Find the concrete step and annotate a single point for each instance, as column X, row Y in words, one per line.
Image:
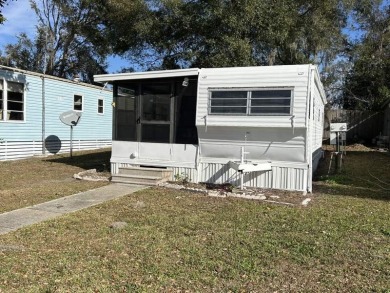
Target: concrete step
column 137, row 179
column 142, row 171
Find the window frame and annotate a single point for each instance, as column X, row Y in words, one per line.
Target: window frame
column 249, row 99
column 5, row 112
column 100, row 107
column 82, row 102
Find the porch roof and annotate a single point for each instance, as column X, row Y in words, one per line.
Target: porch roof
column 146, row 75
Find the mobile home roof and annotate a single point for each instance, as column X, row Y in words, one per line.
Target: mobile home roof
column 146, row 75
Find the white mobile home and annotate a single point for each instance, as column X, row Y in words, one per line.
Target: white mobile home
column 259, row 125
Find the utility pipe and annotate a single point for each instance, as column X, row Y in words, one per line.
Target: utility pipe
column 43, row 115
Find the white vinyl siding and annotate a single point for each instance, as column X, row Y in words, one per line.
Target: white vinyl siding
column 318, row 119
column 292, row 77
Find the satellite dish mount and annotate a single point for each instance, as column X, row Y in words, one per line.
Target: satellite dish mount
column 70, row 118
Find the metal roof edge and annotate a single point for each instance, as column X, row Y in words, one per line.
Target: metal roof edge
column 27, row 72
column 146, row 75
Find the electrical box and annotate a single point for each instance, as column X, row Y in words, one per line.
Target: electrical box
column 338, row 129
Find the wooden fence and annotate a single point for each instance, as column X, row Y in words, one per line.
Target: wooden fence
column 363, row 126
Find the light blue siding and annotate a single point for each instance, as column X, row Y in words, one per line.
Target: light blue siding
column 92, row 125
column 59, row 97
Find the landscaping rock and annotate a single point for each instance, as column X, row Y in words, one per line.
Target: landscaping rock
column 118, row 225
column 215, row 193
column 139, row 205
column 11, row 247
column 89, row 175
column 248, row 196
column 306, row 201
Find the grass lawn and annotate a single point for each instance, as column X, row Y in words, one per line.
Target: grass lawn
column 32, row 181
column 180, row 241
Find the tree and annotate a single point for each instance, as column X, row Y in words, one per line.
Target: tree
column 62, row 45
column 367, row 85
column 2, row 3
column 183, row 33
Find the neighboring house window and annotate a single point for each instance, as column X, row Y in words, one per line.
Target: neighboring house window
column 11, row 101
column 78, row 103
column 100, row 106
column 251, row 102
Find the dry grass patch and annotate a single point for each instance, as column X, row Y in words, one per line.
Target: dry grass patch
column 31, row 181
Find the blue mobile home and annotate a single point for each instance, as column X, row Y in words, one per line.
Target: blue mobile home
column 30, row 106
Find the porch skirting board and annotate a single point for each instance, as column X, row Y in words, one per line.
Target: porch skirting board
column 286, row 178
column 15, row 150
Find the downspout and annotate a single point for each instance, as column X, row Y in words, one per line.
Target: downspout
column 43, row 115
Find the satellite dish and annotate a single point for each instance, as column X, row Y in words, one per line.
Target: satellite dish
column 70, row 118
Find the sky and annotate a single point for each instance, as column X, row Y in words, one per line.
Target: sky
column 21, row 18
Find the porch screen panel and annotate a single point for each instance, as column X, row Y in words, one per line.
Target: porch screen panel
column 156, row 102
column 125, row 121
column 185, row 129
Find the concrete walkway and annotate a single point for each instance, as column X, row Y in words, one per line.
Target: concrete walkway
column 11, row 221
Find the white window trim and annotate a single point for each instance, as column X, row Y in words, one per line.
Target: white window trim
column 82, row 102
column 102, row 99
column 5, row 103
column 249, row 94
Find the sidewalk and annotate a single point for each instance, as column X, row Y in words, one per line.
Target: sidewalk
column 11, row 221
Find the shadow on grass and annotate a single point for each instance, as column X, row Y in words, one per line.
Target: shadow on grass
column 99, row 160
column 353, row 191
column 364, row 175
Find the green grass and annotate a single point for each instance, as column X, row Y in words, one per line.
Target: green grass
column 182, row 241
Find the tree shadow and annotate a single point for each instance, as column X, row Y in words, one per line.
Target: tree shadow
column 364, row 174
column 99, row 160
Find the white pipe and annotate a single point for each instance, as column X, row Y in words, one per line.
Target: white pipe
column 241, row 172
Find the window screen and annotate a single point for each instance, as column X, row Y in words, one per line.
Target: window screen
column 251, row 102
column 100, row 106
column 78, row 103
column 15, row 101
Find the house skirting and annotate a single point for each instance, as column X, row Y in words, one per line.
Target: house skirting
column 14, row 150
column 287, row 177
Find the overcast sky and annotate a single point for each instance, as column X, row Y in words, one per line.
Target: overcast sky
column 21, row 18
